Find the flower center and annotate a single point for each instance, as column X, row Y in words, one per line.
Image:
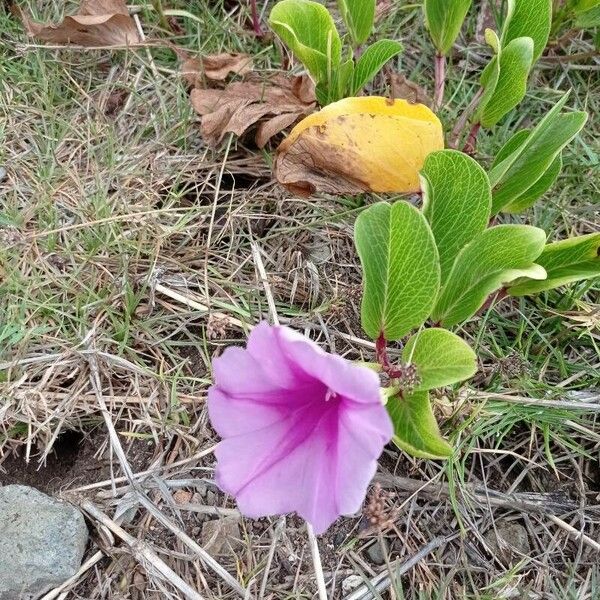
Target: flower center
column 330, row 395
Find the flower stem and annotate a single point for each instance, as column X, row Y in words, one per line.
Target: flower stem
column 440, row 81
column 255, row 19
column 314, row 550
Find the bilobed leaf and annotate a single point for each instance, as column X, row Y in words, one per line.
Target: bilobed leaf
column 537, row 190
column 530, row 156
column 359, row 16
column 515, row 62
column 441, row 358
column 456, row 201
column 528, row 18
column 401, row 268
column 308, row 29
column 495, row 257
column 372, row 61
column 575, row 259
column 415, row 429
column 444, row 20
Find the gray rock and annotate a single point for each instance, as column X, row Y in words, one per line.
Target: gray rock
column 511, row 540
column 221, row 536
column 378, row 551
column 42, row 541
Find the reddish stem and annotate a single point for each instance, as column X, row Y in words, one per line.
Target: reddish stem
column 381, row 352
column 471, row 142
column 440, row 81
column 255, row 19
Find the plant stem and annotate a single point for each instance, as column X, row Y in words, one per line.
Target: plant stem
column 462, row 121
column 255, row 19
column 471, row 142
column 314, row 550
column 440, row 81
column 158, row 7
column 381, row 352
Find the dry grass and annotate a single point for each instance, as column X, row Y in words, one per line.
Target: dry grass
column 127, row 262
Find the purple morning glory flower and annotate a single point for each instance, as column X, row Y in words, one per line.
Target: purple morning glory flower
column 302, row 429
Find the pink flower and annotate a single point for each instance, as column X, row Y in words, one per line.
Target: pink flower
column 302, row 429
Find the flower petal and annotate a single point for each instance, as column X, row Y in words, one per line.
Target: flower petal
column 362, row 436
column 277, row 475
column 316, row 465
column 351, row 381
column 265, row 344
column 232, row 416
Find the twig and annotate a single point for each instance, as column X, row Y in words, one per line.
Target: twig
column 525, row 502
column 440, row 81
column 141, row 551
column 278, row 529
column 381, row 582
column 575, row 533
column 260, row 267
column 568, row 405
column 191, row 544
column 314, row 550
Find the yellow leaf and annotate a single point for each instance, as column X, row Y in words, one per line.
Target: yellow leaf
column 356, row 145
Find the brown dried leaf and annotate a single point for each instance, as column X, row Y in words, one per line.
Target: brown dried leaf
column 401, row 87
column 216, row 67
column 356, row 145
column 239, row 106
column 98, row 23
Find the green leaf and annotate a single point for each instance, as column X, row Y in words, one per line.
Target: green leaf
column 491, row 74
column 341, row 81
column 441, row 358
column 371, row 62
column 537, row 190
column 456, row 201
column 359, row 16
column 308, row 29
column 539, row 187
column 495, row 257
column 528, row 18
column 401, row 268
column 444, row 20
column 527, row 156
column 415, row 429
column 566, row 261
column 589, row 18
column 514, row 62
